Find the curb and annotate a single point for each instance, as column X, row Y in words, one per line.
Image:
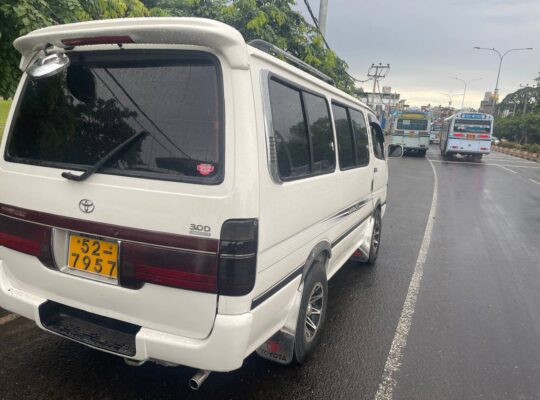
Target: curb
column 518, row 153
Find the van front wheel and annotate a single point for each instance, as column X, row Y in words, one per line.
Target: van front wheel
column 312, row 313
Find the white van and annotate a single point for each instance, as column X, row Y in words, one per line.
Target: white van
column 171, row 193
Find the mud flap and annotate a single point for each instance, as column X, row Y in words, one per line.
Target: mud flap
column 280, row 347
column 365, row 246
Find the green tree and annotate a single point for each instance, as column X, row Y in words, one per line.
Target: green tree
column 18, row 17
column 272, row 20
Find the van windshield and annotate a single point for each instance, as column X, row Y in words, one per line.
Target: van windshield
column 73, row 119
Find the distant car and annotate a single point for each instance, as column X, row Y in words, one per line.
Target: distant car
column 495, row 140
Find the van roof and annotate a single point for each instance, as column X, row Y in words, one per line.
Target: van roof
column 162, row 30
column 157, row 30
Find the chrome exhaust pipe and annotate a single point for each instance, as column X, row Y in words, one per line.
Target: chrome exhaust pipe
column 134, row 363
column 198, row 379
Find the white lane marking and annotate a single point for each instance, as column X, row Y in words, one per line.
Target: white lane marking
column 393, row 362
column 508, row 169
column 532, row 180
column 483, row 163
column 8, row 318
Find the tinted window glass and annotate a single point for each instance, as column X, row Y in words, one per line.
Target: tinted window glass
column 290, row 131
column 412, row 124
column 322, row 140
column 468, row 126
column 361, row 137
column 77, row 117
column 378, row 146
column 344, row 137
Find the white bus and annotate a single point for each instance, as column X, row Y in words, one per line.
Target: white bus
column 412, row 131
column 467, row 134
column 435, row 132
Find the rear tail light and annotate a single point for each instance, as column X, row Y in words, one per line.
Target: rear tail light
column 28, row 238
column 238, row 257
column 86, row 41
column 484, row 136
column 458, row 134
column 169, row 267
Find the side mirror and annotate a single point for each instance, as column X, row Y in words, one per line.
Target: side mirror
column 48, row 66
column 395, row 150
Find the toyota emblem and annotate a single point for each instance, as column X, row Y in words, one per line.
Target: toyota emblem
column 86, row 206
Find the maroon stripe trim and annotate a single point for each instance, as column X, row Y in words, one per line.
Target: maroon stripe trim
column 113, row 231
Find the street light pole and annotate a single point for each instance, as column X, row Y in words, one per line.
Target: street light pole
column 501, row 57
column 450, row 97
column 465, row 83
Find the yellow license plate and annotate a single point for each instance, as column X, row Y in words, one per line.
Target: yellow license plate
column 471, row 137
column 412, row 134
column 94, row 256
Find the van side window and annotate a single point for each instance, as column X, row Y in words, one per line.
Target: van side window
column 290, row 131
column 360, row 137
column 320, row 132
column 344, row 137
column 304, row 141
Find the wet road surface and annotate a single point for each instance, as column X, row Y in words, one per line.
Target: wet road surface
column 475, row 330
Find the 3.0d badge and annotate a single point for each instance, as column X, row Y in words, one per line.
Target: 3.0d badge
column 86, row 206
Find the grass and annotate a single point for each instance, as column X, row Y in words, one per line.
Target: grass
column 4, row 109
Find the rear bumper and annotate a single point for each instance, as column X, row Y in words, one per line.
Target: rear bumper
column 223, row 350
column 467, row 152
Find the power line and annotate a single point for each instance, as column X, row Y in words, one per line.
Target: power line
column 316, row 23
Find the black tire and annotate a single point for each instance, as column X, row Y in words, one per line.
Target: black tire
column 477, row 157
column 307, row 338
column 375, row 238
column 422, row 153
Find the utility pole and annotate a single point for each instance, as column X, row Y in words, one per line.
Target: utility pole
column 377, row 72
column 323, row 10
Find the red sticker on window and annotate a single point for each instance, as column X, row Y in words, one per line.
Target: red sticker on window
column 205, row 169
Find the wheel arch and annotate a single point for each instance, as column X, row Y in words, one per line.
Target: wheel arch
column 322, row 249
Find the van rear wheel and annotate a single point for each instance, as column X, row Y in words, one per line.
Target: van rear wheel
column 312, row 313
column 375, row 238
column 477, row 157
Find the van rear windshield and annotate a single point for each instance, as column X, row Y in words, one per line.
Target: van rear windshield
column 73, row 119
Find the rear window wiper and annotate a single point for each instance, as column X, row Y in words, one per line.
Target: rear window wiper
column 104, row 159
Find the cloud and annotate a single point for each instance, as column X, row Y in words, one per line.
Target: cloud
column 426, row 42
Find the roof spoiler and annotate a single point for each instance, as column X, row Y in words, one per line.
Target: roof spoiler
column 172, row 31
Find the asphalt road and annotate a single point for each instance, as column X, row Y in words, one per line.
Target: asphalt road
column 475, row 329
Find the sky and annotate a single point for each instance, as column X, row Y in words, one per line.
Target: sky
column 427, row 43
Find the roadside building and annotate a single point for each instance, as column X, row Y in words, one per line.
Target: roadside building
column 383, row 102
column 486, row 105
